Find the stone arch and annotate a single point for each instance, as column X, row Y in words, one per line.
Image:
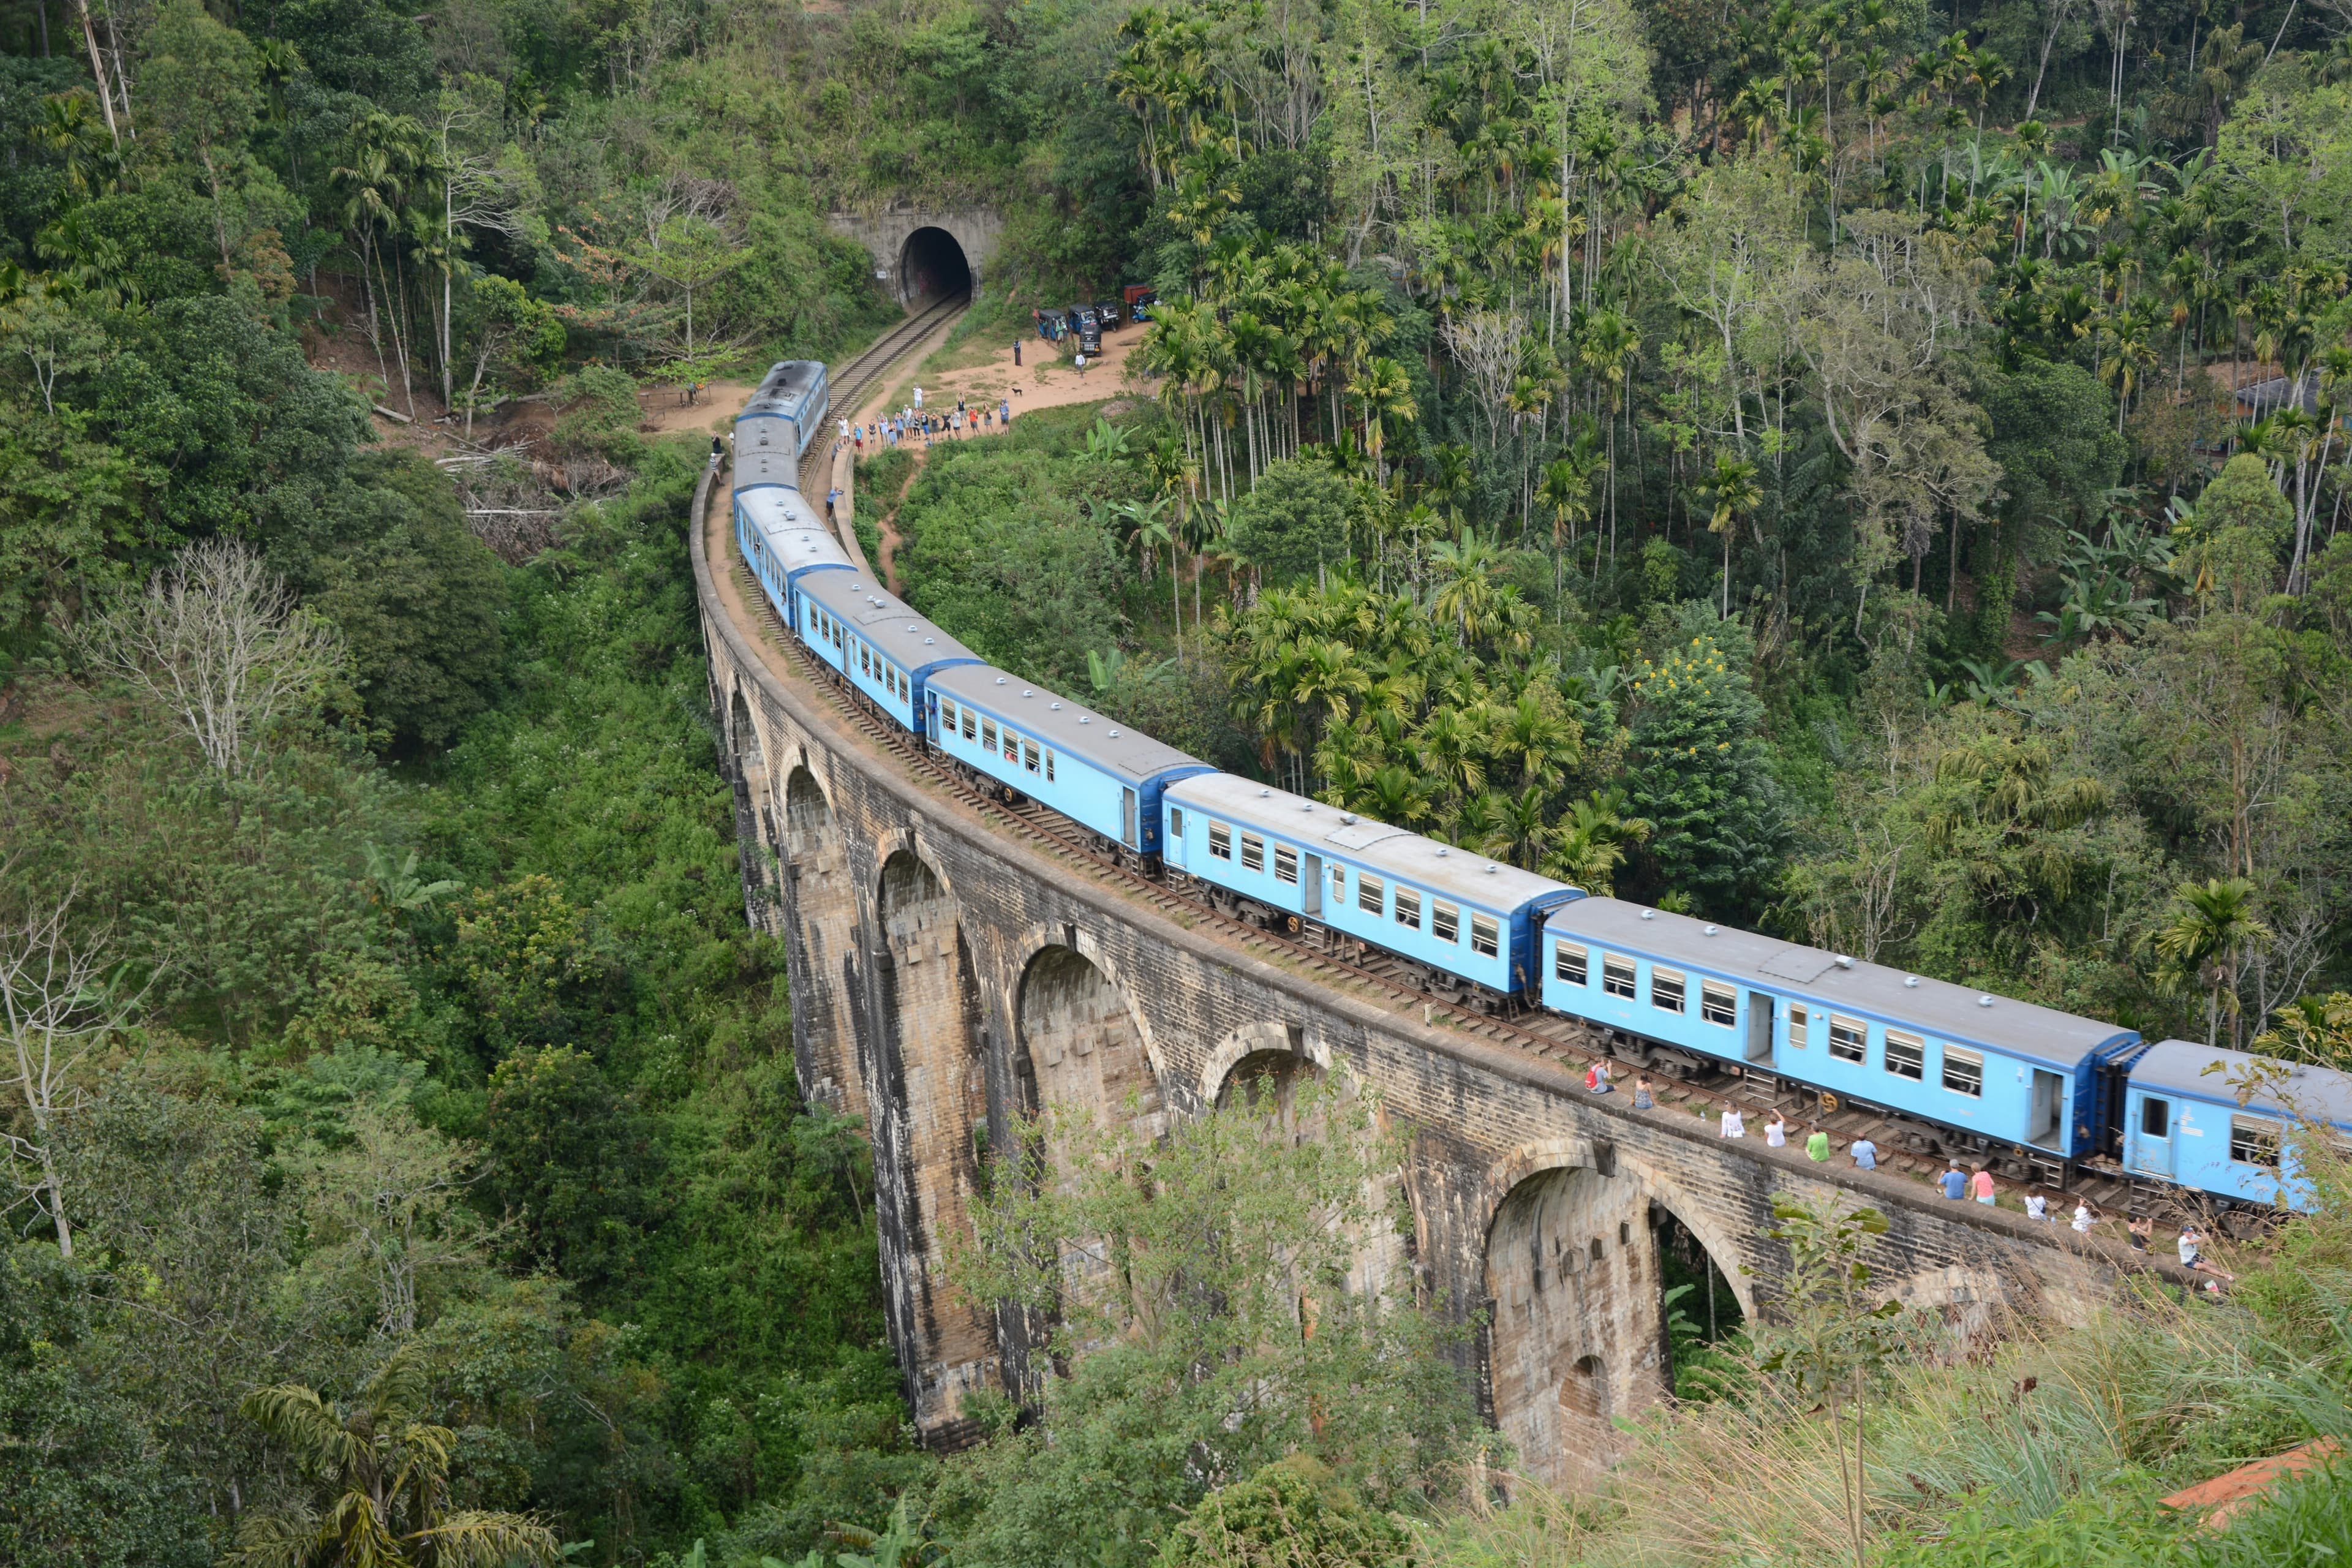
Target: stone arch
column 1281, row 1051
column 933, row 1063
column 1080, row 1041
column 820, row 941
column 754, row 803
column 1573, row 1338
column 932, row 265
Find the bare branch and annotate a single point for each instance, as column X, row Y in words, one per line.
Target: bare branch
column 221, row 643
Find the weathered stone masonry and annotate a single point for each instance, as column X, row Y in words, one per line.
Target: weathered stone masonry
column 947, row 978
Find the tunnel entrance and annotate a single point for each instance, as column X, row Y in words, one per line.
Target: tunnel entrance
column 931, row 266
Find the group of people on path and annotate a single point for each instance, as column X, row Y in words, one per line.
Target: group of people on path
column 1956, row 1185
column 935, row 425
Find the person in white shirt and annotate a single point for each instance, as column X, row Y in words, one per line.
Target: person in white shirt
column 1735, row 1125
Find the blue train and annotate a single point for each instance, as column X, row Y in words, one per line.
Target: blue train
column 1968, row 1073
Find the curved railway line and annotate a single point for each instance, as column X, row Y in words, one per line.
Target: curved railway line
column 1383, row 981
column 857, row 378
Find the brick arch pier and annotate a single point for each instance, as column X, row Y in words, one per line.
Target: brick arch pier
column 947, row 974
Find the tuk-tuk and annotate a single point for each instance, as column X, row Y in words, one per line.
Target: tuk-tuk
column 1051, row 325
column 1141, row 298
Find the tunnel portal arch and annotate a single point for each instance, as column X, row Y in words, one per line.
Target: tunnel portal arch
column 932, row 265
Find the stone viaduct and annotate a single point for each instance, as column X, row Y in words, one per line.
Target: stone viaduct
column 924, row 255
column 949, row 977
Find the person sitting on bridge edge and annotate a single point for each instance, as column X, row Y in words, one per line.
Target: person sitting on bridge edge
column 1865, row 1152
column 1817, row 1144
column 1955, row 1184
column 1776, row 1132
column 1980, row 1186
column 1735, row 1124
column 1642, row 1099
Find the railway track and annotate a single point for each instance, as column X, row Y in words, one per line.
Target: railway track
column 1543, row 1036
column 857, row 378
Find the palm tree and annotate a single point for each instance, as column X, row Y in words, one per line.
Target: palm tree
column 2213, row 925
column 379, row 1470
column 1387, row 396
column 1589, row 843
column 1730, row 492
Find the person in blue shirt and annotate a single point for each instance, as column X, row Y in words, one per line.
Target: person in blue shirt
column 1865, row 1154
column 1955, row 1184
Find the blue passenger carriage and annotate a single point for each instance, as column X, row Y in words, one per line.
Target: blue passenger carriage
column 881, row 648
column 781, row 541
column 1468, row 924
column 1104, row 776
column 781, row 417
column 1994, row 1073
column 2185, row 1124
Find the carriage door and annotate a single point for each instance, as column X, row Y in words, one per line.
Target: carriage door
column 1760, row 1028
column 1127, row 818
column 2152, row 1149
column 2049, row 1094
column 1310, row 886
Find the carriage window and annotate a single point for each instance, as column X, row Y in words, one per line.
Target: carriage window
column 1221, row 841
column 2156, row 1118
column 1906, row 1055
column 1617, row 976
column 1029, row 756
column 2254, row 1141
column 1408, row 907
column 1719, row 1004
column 1849, row 1039
column 1800, row 1026
column 987, row 734
column 1963, row 1073
column 1568, row 962
column 1286, row 863
column 1370, row 892
column 1253, row 852
column 967, row 724
column 1666, row 989
column 1446, row 922
column 1486, row 936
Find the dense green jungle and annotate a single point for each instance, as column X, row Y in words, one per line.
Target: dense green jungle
column 1862, row 469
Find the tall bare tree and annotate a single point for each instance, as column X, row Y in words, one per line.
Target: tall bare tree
column 61, row 1000
column 219, row 640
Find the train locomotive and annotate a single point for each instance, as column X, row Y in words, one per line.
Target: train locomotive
column 1964, row 1072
